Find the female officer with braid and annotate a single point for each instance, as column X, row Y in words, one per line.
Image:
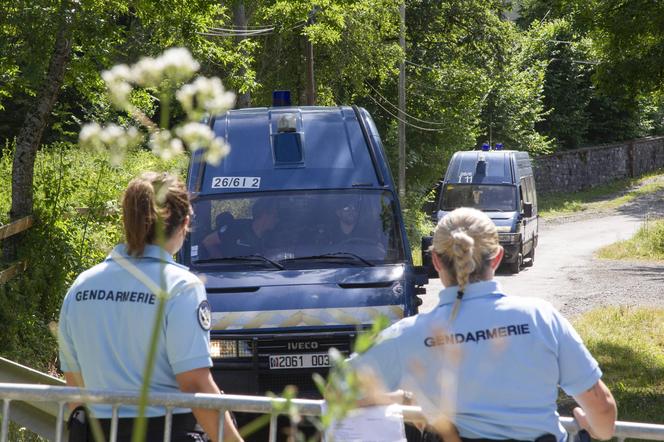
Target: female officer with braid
column 489, row 362
column 108, row 316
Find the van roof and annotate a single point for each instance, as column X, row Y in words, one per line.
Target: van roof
column 334, row 150
column 500, row 167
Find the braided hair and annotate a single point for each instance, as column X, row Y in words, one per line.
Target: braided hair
column 466, row 241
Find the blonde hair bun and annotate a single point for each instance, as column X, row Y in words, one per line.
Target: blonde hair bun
column 466, row 240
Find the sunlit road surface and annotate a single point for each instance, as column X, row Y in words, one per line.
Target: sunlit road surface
column 562, row 250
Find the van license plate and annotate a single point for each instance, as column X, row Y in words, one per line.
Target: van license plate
column 305, row 360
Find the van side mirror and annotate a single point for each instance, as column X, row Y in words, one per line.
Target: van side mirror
column 427, row 263
column 527, row 209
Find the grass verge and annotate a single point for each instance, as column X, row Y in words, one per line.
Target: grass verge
column 628, row 343
column 608, row 196
column 646, row 244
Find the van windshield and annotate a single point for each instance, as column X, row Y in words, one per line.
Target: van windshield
column 483, row 197
column 295, row 230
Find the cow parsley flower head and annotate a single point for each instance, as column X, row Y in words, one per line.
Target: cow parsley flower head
column 118, row 82
column 199, row 136
column 205, row 96
column 164, row 145
column 112, row 138
column 175, row 64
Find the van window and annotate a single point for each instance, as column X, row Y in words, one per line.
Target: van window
column 487, row 198
column 295, row 228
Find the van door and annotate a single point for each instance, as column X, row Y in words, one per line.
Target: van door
column 529, row 223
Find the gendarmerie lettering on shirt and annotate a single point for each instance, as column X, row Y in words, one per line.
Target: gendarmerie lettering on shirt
column 477, row 335
column 116, row 296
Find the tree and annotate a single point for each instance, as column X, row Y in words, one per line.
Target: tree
column 49, row 45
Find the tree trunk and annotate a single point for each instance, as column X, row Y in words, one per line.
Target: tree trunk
column 30, row 135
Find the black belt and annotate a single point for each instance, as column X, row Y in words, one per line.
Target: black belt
column 183, row 429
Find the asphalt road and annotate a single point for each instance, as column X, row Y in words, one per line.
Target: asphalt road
column 564, row 259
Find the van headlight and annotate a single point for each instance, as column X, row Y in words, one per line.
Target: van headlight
column 509, row 238
column 230, row 348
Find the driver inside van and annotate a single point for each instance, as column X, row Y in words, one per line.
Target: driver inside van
column 234, row 237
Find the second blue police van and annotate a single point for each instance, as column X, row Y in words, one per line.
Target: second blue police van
column 500, row 183
column 299, row 238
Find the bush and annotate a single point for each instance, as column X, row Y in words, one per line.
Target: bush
column 78, row 221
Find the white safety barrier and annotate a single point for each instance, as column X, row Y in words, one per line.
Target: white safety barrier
column 33, row 393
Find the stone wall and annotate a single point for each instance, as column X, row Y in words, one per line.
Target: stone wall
column 580, row 169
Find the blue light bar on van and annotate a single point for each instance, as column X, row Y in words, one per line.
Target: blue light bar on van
column 486, row 147
column 499, row 146
column 281, row 98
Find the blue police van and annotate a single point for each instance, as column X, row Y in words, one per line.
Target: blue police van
column 299, row 238
column 500, row 183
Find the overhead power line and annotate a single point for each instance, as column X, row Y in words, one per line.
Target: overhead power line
column 434, row 123
column 403, row 121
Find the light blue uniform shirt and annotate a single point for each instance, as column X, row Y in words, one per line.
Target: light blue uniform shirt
column 494, row 371
column 107, row 318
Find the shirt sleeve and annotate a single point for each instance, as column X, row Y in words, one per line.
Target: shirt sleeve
column 578, row 369
column 187, row 338
column 67, row 351
column 382, row 361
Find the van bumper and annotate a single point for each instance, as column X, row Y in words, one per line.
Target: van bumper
column 252, row 374
column 511, row 243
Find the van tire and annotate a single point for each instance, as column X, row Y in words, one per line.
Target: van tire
column 530, row 258
column 515, row 266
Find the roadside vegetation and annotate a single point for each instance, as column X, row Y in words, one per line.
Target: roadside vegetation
column 647, row 244
column 628, row 343
column 77, row 201
column 605, row 197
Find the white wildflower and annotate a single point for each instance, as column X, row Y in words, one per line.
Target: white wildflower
column 178, row 64
column 89, row 137
column 175, row 64
column 216, row 150
column 118, row 81
column 116, row 139
column 205, row 95
column 164, row 145
column 147, row 72
column 195, row 135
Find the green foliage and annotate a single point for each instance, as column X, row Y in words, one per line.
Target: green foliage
column 602, row 82
column 608, row 196
column 77, row 197
column 646, row 244
column 628, row 343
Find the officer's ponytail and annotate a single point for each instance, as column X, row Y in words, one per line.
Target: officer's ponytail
column 153, row 203
column 465, row 240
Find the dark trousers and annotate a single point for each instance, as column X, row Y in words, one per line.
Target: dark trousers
column 184, row 428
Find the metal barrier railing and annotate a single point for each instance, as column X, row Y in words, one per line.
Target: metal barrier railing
column 228, row 402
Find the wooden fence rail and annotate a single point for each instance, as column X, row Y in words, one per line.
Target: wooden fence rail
column 11, row 229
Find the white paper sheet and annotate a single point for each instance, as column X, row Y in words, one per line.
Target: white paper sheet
column 369, row 424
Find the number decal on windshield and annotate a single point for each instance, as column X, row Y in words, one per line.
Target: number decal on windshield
column 236, row 182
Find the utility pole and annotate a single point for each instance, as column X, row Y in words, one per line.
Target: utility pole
column 402, row 103
column 240, row 22
column 309, row 54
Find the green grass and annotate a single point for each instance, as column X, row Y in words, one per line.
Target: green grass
column 607, row 196
column 646, row 244
column 628, row 343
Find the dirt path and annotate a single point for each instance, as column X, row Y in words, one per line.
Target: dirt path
column 567, row 274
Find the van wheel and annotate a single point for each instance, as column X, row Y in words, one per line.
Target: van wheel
column 515, row 266
column 530, row 258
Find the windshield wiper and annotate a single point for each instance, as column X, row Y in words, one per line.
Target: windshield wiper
column 335, row 255
column 245, row 258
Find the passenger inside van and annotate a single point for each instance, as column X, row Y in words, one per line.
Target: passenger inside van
column 241, row 237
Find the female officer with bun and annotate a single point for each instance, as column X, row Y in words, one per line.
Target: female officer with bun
column 108, row 315
column 489, row 362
